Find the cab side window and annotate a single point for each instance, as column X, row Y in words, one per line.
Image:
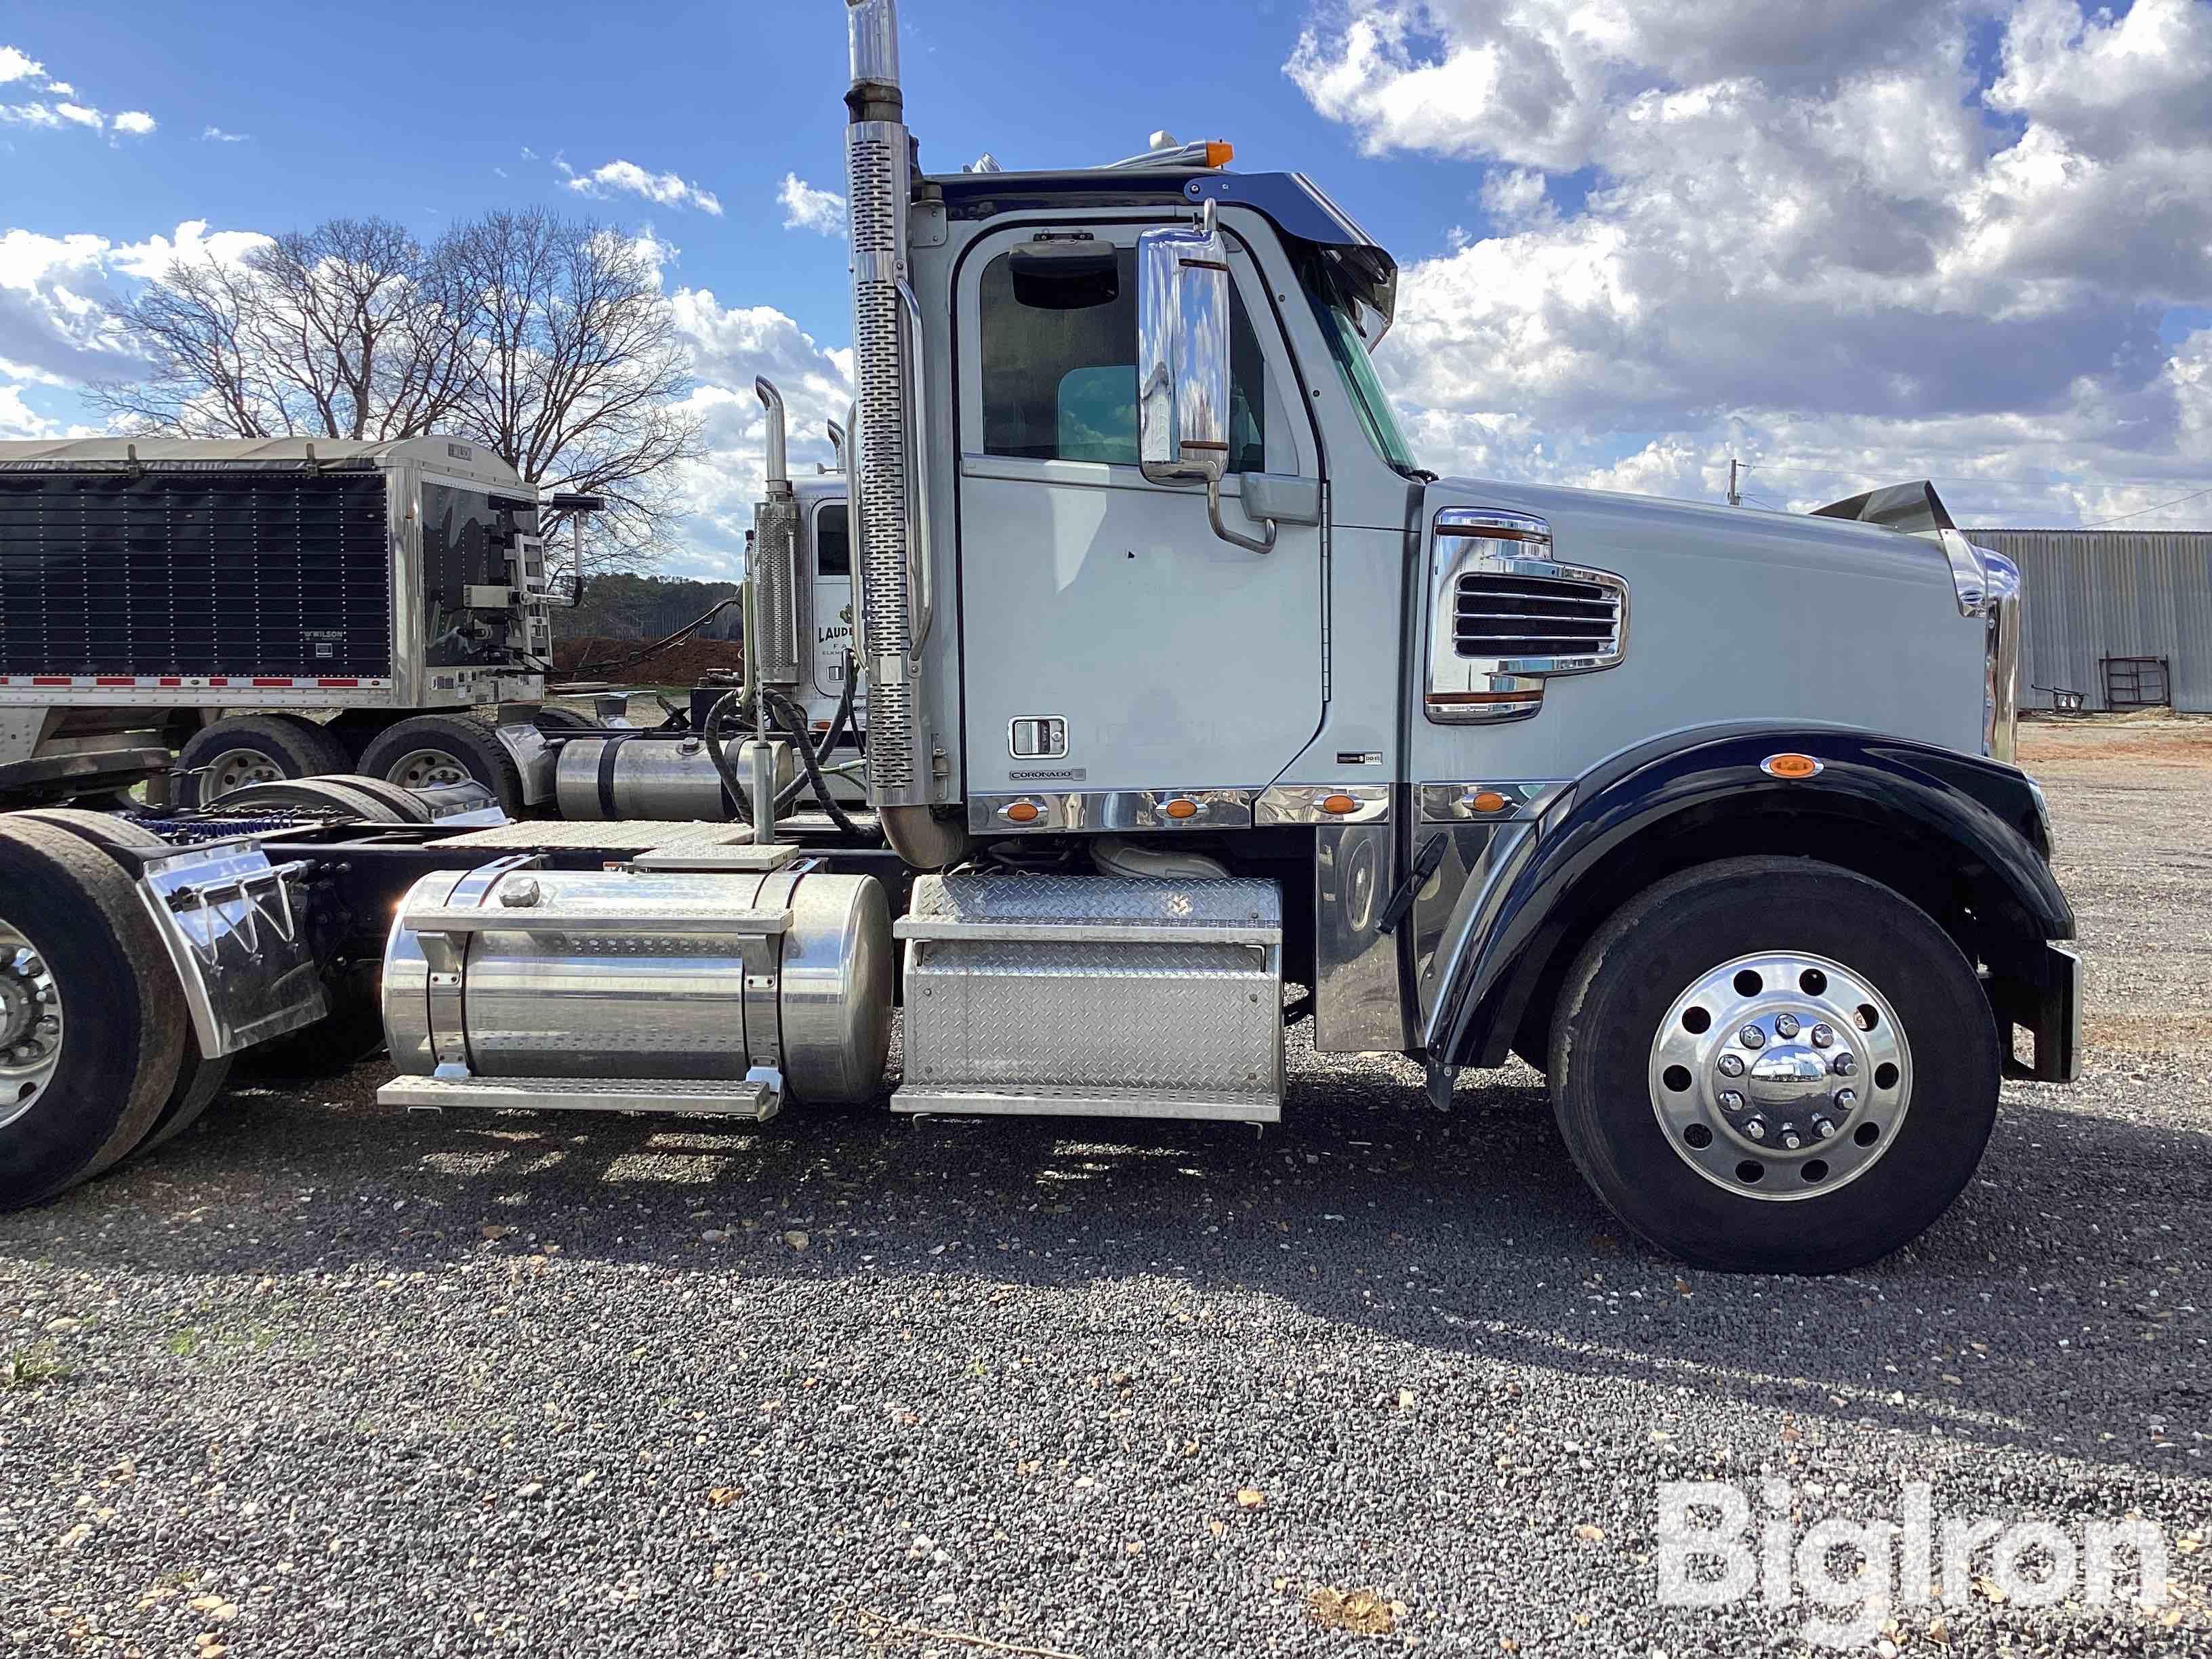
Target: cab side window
column 1059, row 355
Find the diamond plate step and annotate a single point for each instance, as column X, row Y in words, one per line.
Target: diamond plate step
column 1090, row 1102
column 754, row 1099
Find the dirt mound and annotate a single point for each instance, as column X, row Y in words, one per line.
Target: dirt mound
column 597, row 658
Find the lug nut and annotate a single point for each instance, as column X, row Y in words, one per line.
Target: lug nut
column 1823, row 1036
column 1846, row 1099
column 1731, row 1065
column 1845, row 1064
column 31, row 967
column 23, row 1051
column 1822, row 1129
column 1785, row 1025
column 48, row 1026
column 1752, row 1037
column 1791, row 1140
column 1731, row 1101
column 1756, row 1129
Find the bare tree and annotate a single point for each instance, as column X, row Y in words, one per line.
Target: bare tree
column 352, row 329
column 579, row 372
column 546, row 339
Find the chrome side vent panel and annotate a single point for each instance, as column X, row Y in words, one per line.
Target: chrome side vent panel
column 1504, row 613
column 1504, row 617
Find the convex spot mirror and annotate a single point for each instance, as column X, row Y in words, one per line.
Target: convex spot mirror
column 1183, row 363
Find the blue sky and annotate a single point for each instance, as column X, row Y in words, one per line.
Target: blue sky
column 1875, row 239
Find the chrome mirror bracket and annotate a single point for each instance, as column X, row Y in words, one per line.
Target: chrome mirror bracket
column 1250, row 544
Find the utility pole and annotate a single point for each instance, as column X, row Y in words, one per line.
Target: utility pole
column 1736, row 494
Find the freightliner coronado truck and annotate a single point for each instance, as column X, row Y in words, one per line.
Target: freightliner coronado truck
column 1188, row 685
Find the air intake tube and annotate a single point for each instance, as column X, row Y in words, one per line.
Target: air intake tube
column 884, row 464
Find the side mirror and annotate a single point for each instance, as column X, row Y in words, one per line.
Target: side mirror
column 1182, row 364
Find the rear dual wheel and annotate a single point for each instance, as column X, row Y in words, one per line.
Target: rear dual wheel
column 93, row 1021
column 248, row 748
column 1775, row 1065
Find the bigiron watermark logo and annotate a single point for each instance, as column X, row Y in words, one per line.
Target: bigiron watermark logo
column 1718, row 1547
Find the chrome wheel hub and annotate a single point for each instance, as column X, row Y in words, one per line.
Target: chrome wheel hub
column 30, row 1026
column 1781, row 1075
column 428, row 768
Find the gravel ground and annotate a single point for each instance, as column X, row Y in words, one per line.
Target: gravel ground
column 324, row 1378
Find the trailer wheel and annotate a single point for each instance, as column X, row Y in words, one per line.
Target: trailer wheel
column 554, row 720
column 93, row 1018
column 199, row 1079
column 1772, row 1065
column 248, row 748
column 433, row 750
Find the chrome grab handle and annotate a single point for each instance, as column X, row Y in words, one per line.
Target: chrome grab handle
column 921, row 610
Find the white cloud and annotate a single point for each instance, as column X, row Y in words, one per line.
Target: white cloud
column 30, row 115
column 134, row 123
column 18, row 66
column 665, row 189
column 1809, row 233
column 806, row 208
column 61, row 89
column 81, row 116
column 67, row 110
column 214, row 135
column 729, row 346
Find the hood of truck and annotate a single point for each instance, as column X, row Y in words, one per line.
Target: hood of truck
column 1732, row 614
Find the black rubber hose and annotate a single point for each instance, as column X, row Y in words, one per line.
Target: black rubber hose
column 791, row 719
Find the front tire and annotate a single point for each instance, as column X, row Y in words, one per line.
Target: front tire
column 1773, row 1065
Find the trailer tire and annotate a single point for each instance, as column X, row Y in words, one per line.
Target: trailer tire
column 1774, row 1064
column 122, row 1021
column 246, row 749
column 552, row 721
column 199, row 1079
column 431, row 749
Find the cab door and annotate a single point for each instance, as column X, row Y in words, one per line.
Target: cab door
column 1111, row 641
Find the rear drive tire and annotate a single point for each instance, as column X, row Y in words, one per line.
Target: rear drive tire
column 199, row 1079
column 73, row 932
column 360, row 797
column 433, row 748
column 1741, row 1006
column 350, row 1033
column 248, row 748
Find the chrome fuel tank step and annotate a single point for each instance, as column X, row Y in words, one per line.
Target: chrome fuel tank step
column 1093, row 996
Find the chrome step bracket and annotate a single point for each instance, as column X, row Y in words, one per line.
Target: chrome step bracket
column 756, row 1099
column 1090, row 1102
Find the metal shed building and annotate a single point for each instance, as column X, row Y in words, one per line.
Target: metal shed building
column 2106, row 608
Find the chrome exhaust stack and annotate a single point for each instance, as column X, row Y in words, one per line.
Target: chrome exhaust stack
column 885, row 469
column 775, row 557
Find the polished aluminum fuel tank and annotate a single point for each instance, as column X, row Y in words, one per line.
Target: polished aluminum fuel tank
column 604, row 776
column 677, row 976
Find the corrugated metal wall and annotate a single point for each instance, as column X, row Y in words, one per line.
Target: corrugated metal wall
column 2097, row 594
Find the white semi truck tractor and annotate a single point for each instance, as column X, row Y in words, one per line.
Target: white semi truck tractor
column 1196, row 707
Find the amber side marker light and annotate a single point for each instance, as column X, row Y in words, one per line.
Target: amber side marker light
column 1789, row 768
column 1339, row 804
column 1022, row 811
column 1488, row 800
column 1181, row 808
column 1220, row 152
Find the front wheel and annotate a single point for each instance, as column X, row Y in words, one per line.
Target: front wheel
column 1772, row 1065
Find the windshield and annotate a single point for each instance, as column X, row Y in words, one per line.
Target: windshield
column 1357, row 369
